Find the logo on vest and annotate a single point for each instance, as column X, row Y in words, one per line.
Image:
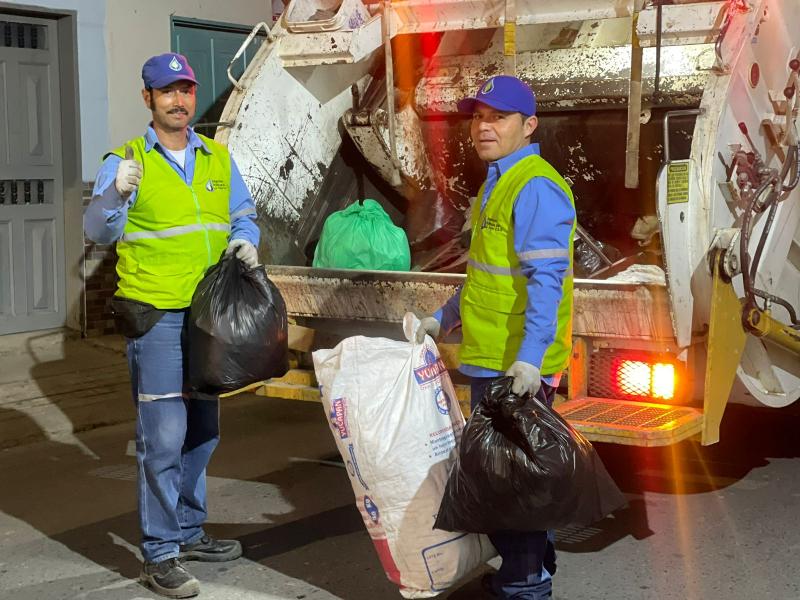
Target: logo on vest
column 175, row 64
column 339, row 417
column 491, row 224
column 217, row 184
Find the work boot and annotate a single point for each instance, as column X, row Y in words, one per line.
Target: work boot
column 207, row 549
column 170, row 578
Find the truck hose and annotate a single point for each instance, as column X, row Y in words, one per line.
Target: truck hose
column 794, row 163
column 744, row 239
column 789, row 308
column 776, row 194
column 762, row 241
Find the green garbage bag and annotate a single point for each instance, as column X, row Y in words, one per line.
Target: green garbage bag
column 362, row 236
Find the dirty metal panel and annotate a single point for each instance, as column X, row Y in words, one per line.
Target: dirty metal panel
column 371, row 145
column 331, row 48
column 602, row 309
column 361, row 295
column 304, row 17
column 697, row 23
column 569, row 77
column 631, row 311
column 288, row 142
column 419, row 16
column 285, row 143
column 558, row 11
column 692, row 23
column 678, row 189
column 372, row 139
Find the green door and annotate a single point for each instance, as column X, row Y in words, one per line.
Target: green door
column 210, row 46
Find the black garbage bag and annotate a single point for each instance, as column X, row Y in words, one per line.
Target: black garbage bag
column 587, row 262
column 521, row 467
column 238, row 330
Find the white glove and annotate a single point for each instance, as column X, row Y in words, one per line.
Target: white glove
column 129, row 174
column 428, row 326
column 245, row 251
column 527, row 378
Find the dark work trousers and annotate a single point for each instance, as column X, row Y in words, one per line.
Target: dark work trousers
column 176, row 433
column 529, row 557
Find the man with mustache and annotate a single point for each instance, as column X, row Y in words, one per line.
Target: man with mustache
column 515, row 308
column 173, row 201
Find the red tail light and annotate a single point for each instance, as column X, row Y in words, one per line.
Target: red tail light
column 637, row 378
column 635, row 375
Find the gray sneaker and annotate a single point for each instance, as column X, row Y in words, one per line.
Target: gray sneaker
column 208, row 549
column 170, row 578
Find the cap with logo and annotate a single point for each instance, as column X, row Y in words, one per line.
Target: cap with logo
column 164, row 69
column 505, row 93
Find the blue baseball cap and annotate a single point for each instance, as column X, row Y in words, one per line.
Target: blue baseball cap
column 159, row 71
column 502, row 92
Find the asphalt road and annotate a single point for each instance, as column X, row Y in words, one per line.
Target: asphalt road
column 702, row 523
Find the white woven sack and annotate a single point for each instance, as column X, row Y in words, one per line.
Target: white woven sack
column 396, row 421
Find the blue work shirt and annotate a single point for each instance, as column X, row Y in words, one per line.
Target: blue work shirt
column 543, row 218
column 105, row 217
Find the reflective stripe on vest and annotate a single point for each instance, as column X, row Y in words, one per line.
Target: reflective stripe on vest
column 174, row 231
column 495, row 296
column 493, row 269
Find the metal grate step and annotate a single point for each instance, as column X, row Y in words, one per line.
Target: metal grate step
column 632, row 423
column 599, row 419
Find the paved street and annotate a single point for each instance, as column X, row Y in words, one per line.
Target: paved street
column 713, row 523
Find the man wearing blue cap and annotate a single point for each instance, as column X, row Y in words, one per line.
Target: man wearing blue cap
column 173, row 201
column 515, row 308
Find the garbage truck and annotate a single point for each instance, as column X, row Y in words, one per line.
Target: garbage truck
column 674, row 121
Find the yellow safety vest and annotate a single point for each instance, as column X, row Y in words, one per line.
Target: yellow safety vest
column 174, row 231
column 495, row 295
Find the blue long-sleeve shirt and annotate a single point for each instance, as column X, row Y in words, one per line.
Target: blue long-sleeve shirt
column 543, row 218
column 105, row 217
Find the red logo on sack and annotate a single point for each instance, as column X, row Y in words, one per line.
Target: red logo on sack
column 431, row 368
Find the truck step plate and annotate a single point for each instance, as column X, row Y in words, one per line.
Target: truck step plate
column 631, row 423
column 300, row 384
column 599, row 419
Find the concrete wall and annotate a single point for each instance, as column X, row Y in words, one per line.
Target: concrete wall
column 114, row 39
column 138, row 30
column 92, row 69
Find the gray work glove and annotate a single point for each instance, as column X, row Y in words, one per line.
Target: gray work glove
column 245, row 251
column 428, row 326
column 527, row 378
column 129, row 174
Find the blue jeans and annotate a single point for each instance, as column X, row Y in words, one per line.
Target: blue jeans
column 529, row 557
column 175, row 437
